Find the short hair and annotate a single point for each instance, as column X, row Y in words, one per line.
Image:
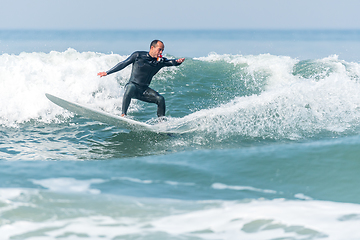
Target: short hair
column 154, row 42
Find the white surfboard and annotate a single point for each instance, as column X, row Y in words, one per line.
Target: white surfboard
column 104, row 117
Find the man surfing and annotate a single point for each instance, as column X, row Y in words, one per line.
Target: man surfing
column 144, row 66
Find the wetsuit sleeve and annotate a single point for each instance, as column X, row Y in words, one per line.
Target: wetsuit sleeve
column 171, row 62
column 123, row 64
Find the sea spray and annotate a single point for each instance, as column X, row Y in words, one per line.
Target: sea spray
column 26, row 78
column 293, row 103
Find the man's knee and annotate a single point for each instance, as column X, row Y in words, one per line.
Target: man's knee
column 130, row 89
column 160, row 100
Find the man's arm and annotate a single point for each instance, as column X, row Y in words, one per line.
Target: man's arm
column 120, row 65
column 174, row 62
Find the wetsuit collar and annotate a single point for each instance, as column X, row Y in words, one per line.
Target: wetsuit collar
column 148, row 54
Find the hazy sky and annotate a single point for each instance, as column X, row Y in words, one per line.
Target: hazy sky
column 180, row 14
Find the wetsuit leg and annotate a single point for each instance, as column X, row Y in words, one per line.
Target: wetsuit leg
column 151, row 96
column 130, row 92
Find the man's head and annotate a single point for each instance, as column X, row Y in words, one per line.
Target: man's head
column 156, row 48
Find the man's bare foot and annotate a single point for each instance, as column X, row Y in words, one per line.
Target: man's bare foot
column 123, row 115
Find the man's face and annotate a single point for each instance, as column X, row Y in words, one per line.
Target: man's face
column 157, row 50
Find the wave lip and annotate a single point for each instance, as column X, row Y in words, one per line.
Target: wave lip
column 298, row 99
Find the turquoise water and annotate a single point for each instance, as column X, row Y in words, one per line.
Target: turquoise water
column 274, row 156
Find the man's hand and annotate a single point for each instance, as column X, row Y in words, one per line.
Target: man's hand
column 180, row 60
column 102, row 74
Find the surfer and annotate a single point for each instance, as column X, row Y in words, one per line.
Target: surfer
column 144, row 66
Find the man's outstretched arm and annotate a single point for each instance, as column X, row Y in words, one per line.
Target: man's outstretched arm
column 173, row 62
column 120, row 65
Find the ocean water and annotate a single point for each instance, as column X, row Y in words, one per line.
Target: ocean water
column 275, row 153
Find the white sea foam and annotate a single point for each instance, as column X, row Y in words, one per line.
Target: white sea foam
column 69, row 185
column 302, row 196
column 179, row 183
column 255, row 219
column 25, row 78
column 10, row 193
column 136, row 180
column 221, row 186
column 267, row 220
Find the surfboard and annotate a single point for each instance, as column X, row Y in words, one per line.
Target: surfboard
column 118, row 121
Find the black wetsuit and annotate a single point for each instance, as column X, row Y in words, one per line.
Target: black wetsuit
column 143, row 69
